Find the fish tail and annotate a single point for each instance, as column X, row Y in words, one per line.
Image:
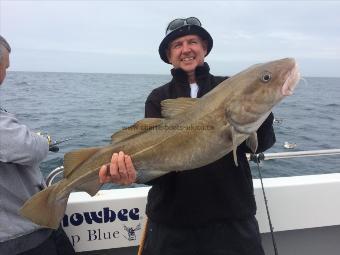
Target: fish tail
column 47, row 207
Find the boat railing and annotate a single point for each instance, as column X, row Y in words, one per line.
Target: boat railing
column 251, row 157
column 53, row 174
column 297, row 154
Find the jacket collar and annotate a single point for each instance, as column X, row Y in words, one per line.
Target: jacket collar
column 180, row 75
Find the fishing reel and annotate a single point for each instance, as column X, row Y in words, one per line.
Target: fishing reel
column 52, row 144
column 257, row 158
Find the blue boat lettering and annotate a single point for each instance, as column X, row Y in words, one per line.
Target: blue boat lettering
column 103, row 216
column 98, row 234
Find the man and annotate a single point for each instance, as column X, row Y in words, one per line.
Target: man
column 21, row 152
column 209, row 210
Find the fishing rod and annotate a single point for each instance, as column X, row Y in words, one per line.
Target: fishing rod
column 257, row 159
column 53, row 146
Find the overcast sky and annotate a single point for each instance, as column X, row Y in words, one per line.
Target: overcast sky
column 123, row 36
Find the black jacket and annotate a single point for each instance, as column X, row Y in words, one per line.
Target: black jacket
column 211, row 193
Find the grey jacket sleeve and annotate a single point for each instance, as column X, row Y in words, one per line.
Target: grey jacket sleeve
column 18, row 144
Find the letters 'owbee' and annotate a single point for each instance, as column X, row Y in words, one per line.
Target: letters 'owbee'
column 193, row 133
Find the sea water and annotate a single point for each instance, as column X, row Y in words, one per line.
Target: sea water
column 88, row 108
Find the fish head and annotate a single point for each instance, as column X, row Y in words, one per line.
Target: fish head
column 257, row 90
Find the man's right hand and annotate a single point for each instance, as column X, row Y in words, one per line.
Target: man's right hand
column 120, row 170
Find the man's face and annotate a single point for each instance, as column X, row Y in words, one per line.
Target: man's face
column 4, row 63
column 187, row 52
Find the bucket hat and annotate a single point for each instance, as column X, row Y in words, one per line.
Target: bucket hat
column 181, row 27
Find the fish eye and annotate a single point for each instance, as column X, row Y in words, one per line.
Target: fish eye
column 266, row 76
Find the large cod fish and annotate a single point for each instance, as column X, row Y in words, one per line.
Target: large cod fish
column 193, row 133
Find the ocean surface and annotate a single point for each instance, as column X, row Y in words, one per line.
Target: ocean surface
column 88, row 108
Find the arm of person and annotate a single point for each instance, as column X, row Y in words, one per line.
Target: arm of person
column 153, row 105
column 18, row 144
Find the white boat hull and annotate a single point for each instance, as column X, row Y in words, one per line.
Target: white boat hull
column 305, row 212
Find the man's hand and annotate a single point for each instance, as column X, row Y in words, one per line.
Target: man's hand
column 120, row 170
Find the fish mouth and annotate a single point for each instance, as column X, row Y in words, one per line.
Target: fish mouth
column 291, row 82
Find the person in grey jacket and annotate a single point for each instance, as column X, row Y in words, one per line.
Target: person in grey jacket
column 21, row 152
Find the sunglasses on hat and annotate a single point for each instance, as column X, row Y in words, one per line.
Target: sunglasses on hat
column 177, row 23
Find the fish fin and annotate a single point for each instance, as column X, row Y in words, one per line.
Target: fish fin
column 233, row 137
column 45, row 208
column 137, row 128
column 91, row 187
column 252, row 142
column 75, row 158
column 172, row 107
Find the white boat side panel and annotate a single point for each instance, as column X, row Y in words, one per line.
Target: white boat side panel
column 116, row 194
column 115, row 218
column 299, row 202
column 110, row 219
